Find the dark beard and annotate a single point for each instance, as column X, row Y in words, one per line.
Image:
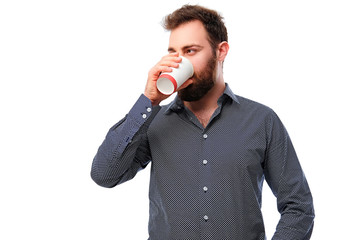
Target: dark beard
column 202, row 84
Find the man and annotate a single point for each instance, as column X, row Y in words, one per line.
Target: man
column 210, row 149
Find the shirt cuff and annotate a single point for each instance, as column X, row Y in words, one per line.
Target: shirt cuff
column 141, row 110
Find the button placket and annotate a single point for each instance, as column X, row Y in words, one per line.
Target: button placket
column 204, row 187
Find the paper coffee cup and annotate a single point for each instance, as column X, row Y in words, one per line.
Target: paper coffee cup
column 169, row 82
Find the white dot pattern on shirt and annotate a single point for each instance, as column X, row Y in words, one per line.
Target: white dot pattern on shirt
column 214, row 196
column 187, row 159
column 247, row 142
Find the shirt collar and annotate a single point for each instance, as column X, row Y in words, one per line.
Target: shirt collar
column 177, row 105
column 230, row 94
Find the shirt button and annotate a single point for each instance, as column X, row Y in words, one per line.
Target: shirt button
column 205, row 136
column 148, row 109
column 205, row 189
column 205, row 162
column 144, row 116
column 206, row 217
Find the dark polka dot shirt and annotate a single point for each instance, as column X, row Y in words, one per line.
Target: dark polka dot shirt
column 206, row 183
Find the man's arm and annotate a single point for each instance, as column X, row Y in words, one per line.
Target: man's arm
column 125, row 149
column 288, row 183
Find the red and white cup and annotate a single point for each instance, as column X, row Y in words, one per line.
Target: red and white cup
column 169, row 82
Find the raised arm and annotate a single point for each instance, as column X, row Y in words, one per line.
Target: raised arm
column 125, row 149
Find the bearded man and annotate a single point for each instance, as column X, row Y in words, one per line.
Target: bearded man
column 210, row 150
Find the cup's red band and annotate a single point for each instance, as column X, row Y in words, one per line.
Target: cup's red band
column 171, row 79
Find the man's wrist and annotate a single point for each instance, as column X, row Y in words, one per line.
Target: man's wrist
column 153, row 102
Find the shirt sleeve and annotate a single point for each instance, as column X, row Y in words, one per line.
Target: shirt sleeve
column 125, row 149
column 288, row 183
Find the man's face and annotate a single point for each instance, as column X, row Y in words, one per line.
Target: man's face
column 191, row 41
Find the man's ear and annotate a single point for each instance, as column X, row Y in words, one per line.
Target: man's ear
column 223, row 49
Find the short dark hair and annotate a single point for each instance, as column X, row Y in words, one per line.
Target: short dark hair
column 212, row 21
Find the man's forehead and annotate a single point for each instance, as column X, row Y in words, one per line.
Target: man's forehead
column 188, row 34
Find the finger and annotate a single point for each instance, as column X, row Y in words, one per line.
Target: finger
column 169, row 63
column 157, row 70
column 164, row 68
column 173, row 54
column 171, row 59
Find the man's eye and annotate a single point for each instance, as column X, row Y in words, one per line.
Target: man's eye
column 190, row 51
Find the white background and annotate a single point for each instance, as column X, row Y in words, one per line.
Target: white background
column 70, row 69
